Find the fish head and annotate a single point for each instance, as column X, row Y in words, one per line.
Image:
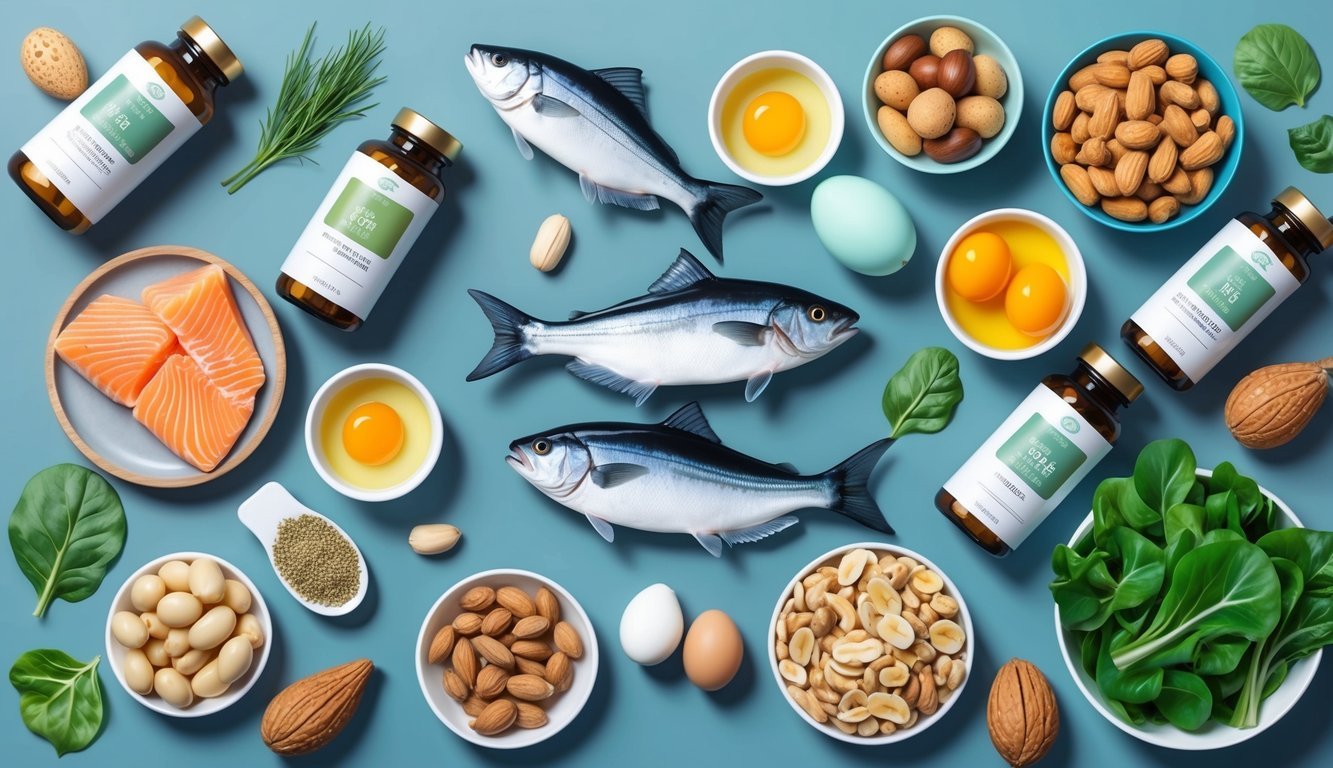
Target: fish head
column 507, row 77
column 806, row 325
column 555, row 462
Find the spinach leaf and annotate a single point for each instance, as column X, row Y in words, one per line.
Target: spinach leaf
column 1276, row 66
column 1089, row 644
column 1312, row 144
column 1106, row 514
column 66, row 529
column 1083, row 588
column 1142, row 568
column 1311, row 551
column 922, row 395
column 1134, row 686
column 1185, row 700
column 1164, row 474
column 60, row 698
column 1225, row 588
column 1268, row 652
column 1181, row 518
column 1219, row 656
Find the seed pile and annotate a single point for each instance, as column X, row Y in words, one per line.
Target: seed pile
column 317, row 561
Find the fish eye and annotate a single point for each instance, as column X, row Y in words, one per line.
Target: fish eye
column 817, row 313
column 541, row 446
column 499, row 59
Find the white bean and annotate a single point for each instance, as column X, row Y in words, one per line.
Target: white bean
column 147, row 590
column 173, row 688
column 215, row 627
column 138, row 672
column 234, row 659
column 128, row 629
column 206, row 581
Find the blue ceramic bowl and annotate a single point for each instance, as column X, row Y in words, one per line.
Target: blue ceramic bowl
column 986, row 42
column 1209, row 70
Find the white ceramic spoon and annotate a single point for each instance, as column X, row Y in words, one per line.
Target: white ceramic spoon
column 268, row 507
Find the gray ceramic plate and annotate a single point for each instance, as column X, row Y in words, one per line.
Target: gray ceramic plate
column 105, row 431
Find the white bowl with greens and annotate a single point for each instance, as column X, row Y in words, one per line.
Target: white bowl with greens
column 1198, row 628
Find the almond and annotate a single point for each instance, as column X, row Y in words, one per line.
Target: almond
column 455, row 686
column 1105, row 117
column 529, row 688
column 530, row 715
column 1062, row 114
column 464, row 659
column 1208, row 98
column 473, row 705
column 1076, row 178
column 496, row 718
column 494, row 651
column 1093, row 152
column 1272, row 405
column 1082, row 77
column 1147, row 53
column 1111, row 75
column 529, row 666
column 531, row 627
column 1116, row 149
column 1180, row 94
column 1137, row 134
column 1125, row 208
column 516, row 600
column 309, row 713
column 1149, row 191
column 567, row 640
column 1163, row 209
column 491, row 681
column 1201, row 118
column 441, row 645
column 1113, row 57
column 1103, row 180
column 507, row 639
column 1202, row 153
column 1226, row 130
column 1182, row 67
column 1176, row 124
column 548, row 607
column 1130, row 170
column 477, row 599
column 1078, row 130
column 557, row 667
column 1086, row 97
column 1201, row 183
column 1140, row 99
column 1163, row 162
column 496, row 622
column 1178, row 183
column 1063, row 148
column 467, row 624
column 1156, row 75
column 531, row 649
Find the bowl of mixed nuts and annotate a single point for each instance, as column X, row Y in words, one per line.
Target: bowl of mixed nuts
column 506, row 658
column 1142, row 131
column 871, row 643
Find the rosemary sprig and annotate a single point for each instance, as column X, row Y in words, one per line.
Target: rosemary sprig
column 316, row 96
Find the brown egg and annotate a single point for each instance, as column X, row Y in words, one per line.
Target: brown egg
column 713, row 650
column 957, row 74
column 926, row 71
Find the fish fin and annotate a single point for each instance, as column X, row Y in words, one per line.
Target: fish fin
column 716, row 202
column 690, row 418
column 524, row 148
column 596, row 193
column 757, row 532
column 608, row 378
column 602, row 527
column 683, row 272
column 788, row 467
column 548, row 106
column 611, row 475
column 629, row 81
column 576, row 314
column 711, row 542
column 741, row 332
column 854, row 499
column 756, row 385
column 507, row 322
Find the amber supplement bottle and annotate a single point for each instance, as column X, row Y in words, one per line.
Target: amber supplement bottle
column 1227, row 289
column 368, row 222
column 1036, row 457
column 124, row 126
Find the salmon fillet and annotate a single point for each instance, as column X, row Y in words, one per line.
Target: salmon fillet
column 190, row 414
column 117, row 344
column 200, row 308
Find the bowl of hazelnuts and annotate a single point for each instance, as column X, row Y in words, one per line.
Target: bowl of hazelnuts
column 942, row 94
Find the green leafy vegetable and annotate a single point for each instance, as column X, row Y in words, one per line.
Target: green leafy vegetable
column 1313, row 144
column 1276, row 66
column 1163, row 475
column 922, row 395
column 1185, row 700
column 60, row 698
column 316, row 96
column 66, row 529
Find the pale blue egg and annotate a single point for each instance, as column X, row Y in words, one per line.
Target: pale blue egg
column 863, row 225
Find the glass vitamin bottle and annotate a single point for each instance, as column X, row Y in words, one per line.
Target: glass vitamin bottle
column 1227, row 289
column 368, row 221
column 1036, row 457
column 105, row 143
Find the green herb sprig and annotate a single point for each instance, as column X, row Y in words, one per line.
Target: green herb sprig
column 316, row 96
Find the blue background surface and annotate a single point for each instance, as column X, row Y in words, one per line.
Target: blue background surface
column 813, row 417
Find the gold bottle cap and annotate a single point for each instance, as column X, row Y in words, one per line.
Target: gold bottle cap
column 216, row 50
column 1118, row 377
column 1300, row 206
column 430, row 134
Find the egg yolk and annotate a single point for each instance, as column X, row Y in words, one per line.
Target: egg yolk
column 980, row 266
column 1036, row 299
column 373, row 434
column 774, row 123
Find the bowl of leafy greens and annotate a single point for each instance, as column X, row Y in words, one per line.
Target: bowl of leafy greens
column 1191, row 606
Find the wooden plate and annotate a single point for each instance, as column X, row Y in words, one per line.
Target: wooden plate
column 106, row 431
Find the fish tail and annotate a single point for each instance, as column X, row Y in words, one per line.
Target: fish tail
column 717, row 200
column 850, row 478
column 507, row 322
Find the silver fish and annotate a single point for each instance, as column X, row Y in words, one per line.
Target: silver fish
column 691, row 328
column 595, row 123
column 677, row 477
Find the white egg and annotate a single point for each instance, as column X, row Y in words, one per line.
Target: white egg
column 651, row 626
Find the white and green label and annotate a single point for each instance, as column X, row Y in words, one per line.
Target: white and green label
column 359, row 235
column 1028, row 466
column 1216, row 299
column 112, row 137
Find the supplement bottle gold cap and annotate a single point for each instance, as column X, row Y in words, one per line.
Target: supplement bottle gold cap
column 213, row 47
column 430, row 134
column 1300, row 206
column 1110, row 370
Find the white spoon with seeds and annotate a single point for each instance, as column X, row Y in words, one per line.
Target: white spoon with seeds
column 263, row 512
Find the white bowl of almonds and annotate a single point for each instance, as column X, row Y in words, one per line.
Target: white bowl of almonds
column 506, row 658
column 871, row 643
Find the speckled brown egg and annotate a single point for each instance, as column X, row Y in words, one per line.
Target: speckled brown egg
column 991, row 79
column 980, row 113
column 945, row 39
column 896, row 88
column 53, row 63
column 898, row 132
column 713, row 650
column 932, row 113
